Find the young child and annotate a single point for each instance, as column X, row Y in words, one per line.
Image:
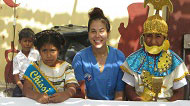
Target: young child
column 54, row 80
column 23, row 58
column 154, row 72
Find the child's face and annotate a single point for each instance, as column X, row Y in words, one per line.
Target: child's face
column 26, row 44
column 154, row 39
column 49, row 54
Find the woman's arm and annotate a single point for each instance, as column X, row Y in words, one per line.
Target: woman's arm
column 82, row 87
column 80, row 93
column 62, row 96
column 178, row 94
column 119, row 95
column 30, row 93
column 131, row 93
column 18, row 82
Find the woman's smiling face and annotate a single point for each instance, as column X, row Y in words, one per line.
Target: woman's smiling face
column 98, row 34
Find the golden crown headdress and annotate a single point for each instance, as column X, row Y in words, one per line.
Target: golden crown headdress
column 155, row 23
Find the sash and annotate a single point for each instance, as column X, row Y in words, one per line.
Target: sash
column 38, row 80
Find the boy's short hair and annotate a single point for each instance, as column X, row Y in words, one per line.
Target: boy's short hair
column 26, row 33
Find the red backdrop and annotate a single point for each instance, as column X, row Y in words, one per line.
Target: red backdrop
column 179, row 24
column 129, row 41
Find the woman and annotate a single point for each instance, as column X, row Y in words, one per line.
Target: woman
column 97, row 68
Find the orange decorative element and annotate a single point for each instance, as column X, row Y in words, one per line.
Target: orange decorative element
column 10, row 3
column 9, row 78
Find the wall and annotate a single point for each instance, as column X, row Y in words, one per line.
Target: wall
column 179, row 24
column 44, row 14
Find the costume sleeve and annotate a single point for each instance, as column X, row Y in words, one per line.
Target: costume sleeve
column 78, row 67
column 128, row 75
column 15, row 66
column 69, row 75
column 129, row 79
column 179, row 78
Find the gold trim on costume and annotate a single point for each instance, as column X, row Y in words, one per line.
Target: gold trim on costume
column 180, row 78
column 152, row 86
column 69, row 72
column 123, row 68
column 165, row 61
column 158, row 4
column 70, row 80
column 162, row 86
column 155, row 23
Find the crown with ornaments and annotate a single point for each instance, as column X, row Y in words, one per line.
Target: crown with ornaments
column 155, row 23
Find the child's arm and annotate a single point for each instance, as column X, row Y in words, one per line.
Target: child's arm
column 178, row 94
column 119, row 95
column 18, row 82
column 30, row 93
column 131, row 93
column 62, row 96
column 16, row 72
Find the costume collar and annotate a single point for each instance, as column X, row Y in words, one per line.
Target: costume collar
column 140, row 60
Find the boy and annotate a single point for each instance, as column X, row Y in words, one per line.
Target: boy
column 154, row 72
column 23, row 59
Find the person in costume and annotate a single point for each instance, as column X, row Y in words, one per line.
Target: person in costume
column 49, row 80
column 154, row 72
column 22, row 60
column 97, row 67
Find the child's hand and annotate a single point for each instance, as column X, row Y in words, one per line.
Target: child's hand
column 43, row 98
column 138, row 99
column 62, row 96
column 58, row 97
